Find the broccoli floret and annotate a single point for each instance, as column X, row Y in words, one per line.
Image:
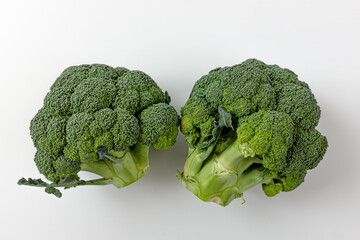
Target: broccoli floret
column 197, row 114
column 102, row 120
column 262, row 132
column 269, row 135
column 44, row 162
column 300, row 104
column 92, row 95
column 307, row 151
column 126, row 130
column 159, row 125
column 48, row 132
column 137, row 91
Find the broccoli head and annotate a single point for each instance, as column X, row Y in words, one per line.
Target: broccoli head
column 102, row 120
column 249, row 124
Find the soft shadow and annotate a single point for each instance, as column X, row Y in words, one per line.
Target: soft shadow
column 337, row 167
column 164, row 163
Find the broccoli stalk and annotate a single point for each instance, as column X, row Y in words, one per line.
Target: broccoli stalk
column 223, row 176
column 123, row 168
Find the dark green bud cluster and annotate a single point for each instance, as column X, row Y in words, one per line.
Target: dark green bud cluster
column 274, row 116
column 91, row 106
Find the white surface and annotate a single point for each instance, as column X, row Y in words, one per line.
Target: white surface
column 176, row 43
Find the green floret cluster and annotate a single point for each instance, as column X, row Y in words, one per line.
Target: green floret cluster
column 246, row 125
column 103, row 120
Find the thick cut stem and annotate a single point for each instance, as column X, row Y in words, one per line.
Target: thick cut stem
column 223, row 176
column 128, row 168
column 196, row 158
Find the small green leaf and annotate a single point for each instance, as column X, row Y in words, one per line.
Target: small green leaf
column 102, row 151
column 54, row 191
column 225, row 118
column 32, row 182
column 21, row 181
column 225, row 121
column 67, row 180
column 81, row 182
column 167, row 98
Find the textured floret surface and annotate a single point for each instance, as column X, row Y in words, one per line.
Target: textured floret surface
column 91, row 106
column 273, row 116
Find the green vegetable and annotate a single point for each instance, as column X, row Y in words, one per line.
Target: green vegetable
column 102, row 120
column 246, row 125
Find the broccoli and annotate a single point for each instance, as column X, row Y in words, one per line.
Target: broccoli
column 249, row 124
column 102, row 120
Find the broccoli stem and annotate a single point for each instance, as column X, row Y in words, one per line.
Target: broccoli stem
column 122, row 169
column 253, row 177
column 234, row 158
column 195, row 160
column 196, row 157
column 223, row 176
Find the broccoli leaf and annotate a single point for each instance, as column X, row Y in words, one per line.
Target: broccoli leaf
column 66, row 183
column 167, row 98
column 224, row 122
column 225, row 118
column 102, row 151
column 54, row 191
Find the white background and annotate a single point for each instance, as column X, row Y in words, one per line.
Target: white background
column 176, row 42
